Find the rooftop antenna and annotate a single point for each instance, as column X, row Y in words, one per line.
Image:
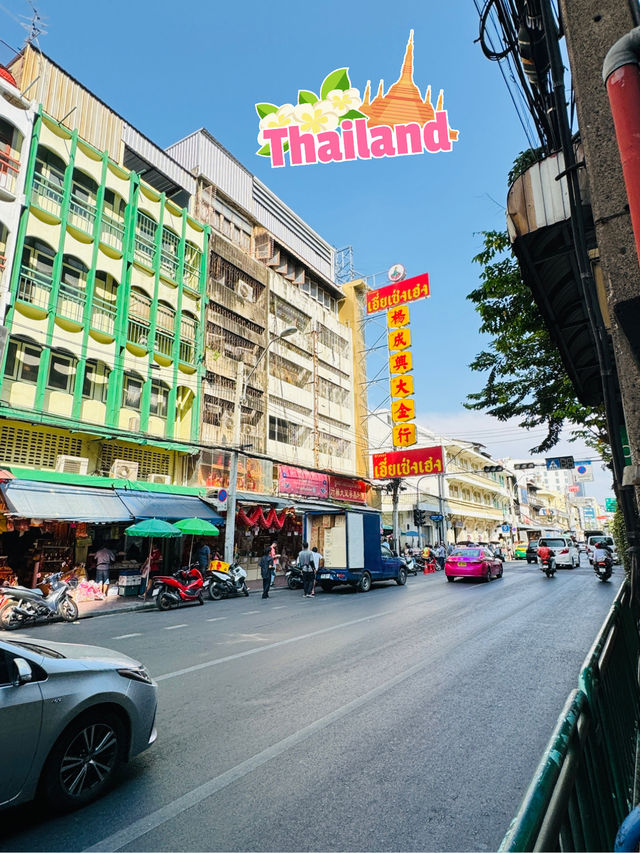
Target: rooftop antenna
column 34, row 24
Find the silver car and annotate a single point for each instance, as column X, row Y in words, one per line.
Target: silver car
column 69, row 715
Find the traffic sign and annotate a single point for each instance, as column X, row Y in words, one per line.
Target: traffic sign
column 436, row 517
column 610, row 504
column 557, row 463
column 222, row 495
column 505, row 528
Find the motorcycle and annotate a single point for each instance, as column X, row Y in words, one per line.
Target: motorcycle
column 548, row 566
column 224, row 584
column 49, row 600
column 411, row 565
column 182, row 586
column 294, row 576
column 603, row 568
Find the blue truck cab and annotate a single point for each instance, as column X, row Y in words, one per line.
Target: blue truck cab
column 353, row 555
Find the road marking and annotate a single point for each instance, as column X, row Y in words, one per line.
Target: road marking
column 280, row 607
column 173, row 627
column 249, row 612
column 216, row 619
column 198, row 666
column 193, row 798
column 126, row 636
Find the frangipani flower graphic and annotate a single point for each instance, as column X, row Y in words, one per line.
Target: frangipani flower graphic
column 342, row 101
column 314, row 118
column 281, row 118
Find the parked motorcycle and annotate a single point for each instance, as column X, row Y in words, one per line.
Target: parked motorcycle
column 411, row 565
column 49, row 600
column 224, row 584
column 603, row 568
column 294, row 576
column 183, row 586
column 548, row 566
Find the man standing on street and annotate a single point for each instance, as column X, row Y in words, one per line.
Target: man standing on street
column 440, row 555
column 104, row 558
column 307, row 565
column 266, row 564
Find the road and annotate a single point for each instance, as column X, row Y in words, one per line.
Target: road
column 407, row 718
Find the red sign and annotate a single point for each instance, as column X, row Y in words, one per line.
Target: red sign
column 408, row 463
column 298, row 481
column 397, row 294
column 347, row 490
column 574, row 489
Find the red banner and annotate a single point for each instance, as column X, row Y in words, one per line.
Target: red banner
column 397, row 294
column 298, row 481
column 408, row 463
column 342, row 489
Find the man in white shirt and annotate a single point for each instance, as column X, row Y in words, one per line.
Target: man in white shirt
column 602, row 552
column 104, row 558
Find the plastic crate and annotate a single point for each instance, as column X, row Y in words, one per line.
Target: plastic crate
column 128, row 590
column 129, row 580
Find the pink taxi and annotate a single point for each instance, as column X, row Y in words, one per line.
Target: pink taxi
column 472, row 562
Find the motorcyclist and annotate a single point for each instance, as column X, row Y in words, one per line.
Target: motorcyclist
column 602, row 553
column 544, row 552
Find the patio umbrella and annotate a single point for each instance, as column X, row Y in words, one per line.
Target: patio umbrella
column 153, row 528
column 196, row 527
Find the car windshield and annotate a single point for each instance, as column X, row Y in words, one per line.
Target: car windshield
column 533, row 543
column 466, row 552
column 600, row 540
column 39, row 650
column 553, row 543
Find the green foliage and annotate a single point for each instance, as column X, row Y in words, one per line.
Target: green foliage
column 526, row 378
column 619, row 533
column 266, row 109
column 523, row 161
column 306, row 97
column 338, row 79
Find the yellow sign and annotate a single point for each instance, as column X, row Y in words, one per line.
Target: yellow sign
column 400, row 362
column 399, row 340
column 398, row 317
column 403, row 410
column 401, row 386
column 218, row 566
column 404, row 435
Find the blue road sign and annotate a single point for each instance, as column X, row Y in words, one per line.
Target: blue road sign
column 436, row 517
column 557, row 463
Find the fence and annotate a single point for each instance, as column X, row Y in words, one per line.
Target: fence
column 584, row 785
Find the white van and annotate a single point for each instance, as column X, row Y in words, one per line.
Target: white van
column 564, row 552
column 607, row 540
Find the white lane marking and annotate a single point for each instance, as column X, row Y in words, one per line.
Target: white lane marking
column 198, row 666
column 216, row 619
column 125, row 636
column 249, row 612
column 193, row 798
column 173, row 627
column 280, row 607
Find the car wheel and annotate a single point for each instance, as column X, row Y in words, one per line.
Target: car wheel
column 402, row 577
column 68, row 610
column 245, row 588
column 83, row 761
column 200, row 599
column 500, row 573
column 9, row 619
column 214, row 592
column 164, row 601
column 450, row 578
column 365, row 582
column 488, row 575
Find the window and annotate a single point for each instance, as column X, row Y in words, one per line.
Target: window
column 23, row 360
column 278, row 429
column 6, row 662
column 96, row 381
column 159, row 399
column 61, row 372
column 132, row 392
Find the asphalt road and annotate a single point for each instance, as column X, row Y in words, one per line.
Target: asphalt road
column 407, row 718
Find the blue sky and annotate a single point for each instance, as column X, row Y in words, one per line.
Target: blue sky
column 171, row 68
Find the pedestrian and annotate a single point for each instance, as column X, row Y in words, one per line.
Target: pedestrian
column 318, row 563
column 104, row 558
column 204, row 557
column 266, row 565
column 306, row 562
column 274, row 561
column 155, row 564
column 440, row 555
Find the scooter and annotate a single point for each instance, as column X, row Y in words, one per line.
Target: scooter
column 548, row 566
column 411, row 565
column 603, row 568
column 224, row 584
column 24, row 606
column 179, row 588
column 294, row 576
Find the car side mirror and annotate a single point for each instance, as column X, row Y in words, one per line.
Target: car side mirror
column 22, row 672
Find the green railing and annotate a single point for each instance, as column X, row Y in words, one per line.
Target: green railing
column 112, row 231
column 81, row 213
column 103, row 315
column 47, row 194
column 71, row 302
column 34, row 288
column 584, row 785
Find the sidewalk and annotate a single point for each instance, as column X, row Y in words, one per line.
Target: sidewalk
column 124, row 604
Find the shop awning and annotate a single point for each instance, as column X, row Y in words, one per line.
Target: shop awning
column 56, row 502
column 170, row 507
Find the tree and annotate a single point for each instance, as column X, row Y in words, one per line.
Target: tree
column 526, row 376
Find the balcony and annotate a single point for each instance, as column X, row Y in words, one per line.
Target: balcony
column 70, row 306
column 169, row 265
column 112, row 233
column 82, row 215
column 34, row 290
column 144, row 250
column 9, row 168
column 103, row 318
column 138, row 336
column 164, row 345
column 187, row 352
column 47, row 195
column 191, row 276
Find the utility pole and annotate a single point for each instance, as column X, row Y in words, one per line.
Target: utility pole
column 396, row 524
column 591, row 27
column 230, row 526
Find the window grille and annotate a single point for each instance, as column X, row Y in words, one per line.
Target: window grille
column 35, row 448
column 145, row 246
column 290, row 315
column 149, row 461
column 225, row 273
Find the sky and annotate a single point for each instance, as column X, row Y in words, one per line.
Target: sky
column 172, row 68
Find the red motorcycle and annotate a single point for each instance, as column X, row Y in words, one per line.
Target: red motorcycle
column 176, row 589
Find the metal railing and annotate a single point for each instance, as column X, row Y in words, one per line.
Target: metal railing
column 138, row 332
column 584, row 785
column 187, row 351
column 81, row 214
column 9, row 169
column 47, row 195
column 71, row 302
column 103, row 315
column 164, row 343
column 112, row 231
column 34, row 288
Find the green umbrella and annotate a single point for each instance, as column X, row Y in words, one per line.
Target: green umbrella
column 153, row 528
column 197, row 527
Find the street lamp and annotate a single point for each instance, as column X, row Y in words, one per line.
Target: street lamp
column 241, row 391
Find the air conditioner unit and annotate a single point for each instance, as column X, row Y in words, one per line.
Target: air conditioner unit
column 123, row 469
column 245, row 290
column 165, row 479
column 72, row 464
column 134, row 423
